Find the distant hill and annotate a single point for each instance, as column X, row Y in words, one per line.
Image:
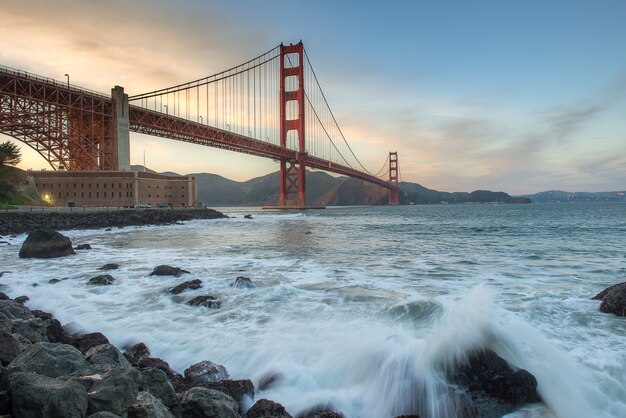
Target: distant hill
column 558, row 196
column 324, row 189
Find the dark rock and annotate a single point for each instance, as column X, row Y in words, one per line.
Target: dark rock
column 53, row 281
column 110, row 266
column 164, row 270
column 236, row 389
column 155, row 381
column 192, row 284
column 107, row 355
column 3, row 296
column 101, row 280
column 22, row 299
column 12, row 310
column 148, row 406
column 205, row 371
column 9, row 348
column 207, row 301
column 613, row 299
column 46, row 243
column 487, row 373
column 48, row 359
column 176, row 379
column 115, row 392
column 86, row 342
column 408, row 416
column 33, row 329
column 56, row 333
column 83, row 247
column 264, row 408
column 5, row 402
column 104, row 414
column 35, row 396
column 247, row 216
column 203, row 402
column 243, row 282
column 3, row 272
column 22, row 341
column 326, row 411
column 44, row 316
column 135, row 353
column 108, row 229
column 268, row 380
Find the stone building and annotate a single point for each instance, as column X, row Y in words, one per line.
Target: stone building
column 114, row 188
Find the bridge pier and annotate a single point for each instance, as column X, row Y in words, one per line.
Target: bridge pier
column 394, row 194
column 121, row 129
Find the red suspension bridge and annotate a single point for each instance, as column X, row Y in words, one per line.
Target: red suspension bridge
column 271, row 106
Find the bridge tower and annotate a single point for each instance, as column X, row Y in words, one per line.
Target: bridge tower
column 292, row 172
column 394, row 195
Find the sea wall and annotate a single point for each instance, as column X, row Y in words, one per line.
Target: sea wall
column 21, row 221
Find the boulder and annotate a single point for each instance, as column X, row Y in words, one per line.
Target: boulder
column 3, row 296
column 155, row 381
column 10, row 311
column 192, row 284
column 22, row 299
column 104, row 414
column 110, row 266
column 148, row 406
column 326, row 411
column 207, row 301
column 236, row 389
column 114, row 392
column 243, row 282
column 35, row 396
column 164, row 270
column 48, row 359
column 83, row 247
column 54, row 281
column 205, row 371
column 264, row 408
column 33, row 329
column 107, row 355
column 247, row 216
column 56, row 333
column 136, row 352
column 101, row 280
column 46, row 243
column 9, row 348
column 176, row 379
column 493, row 385
column 5, row 402
column 86, row 342
column 613, row 299
column 203, row 402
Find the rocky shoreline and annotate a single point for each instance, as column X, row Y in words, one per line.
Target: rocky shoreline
column 20, row 222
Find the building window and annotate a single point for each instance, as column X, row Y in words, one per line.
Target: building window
column 112, row 185
column 74, row 185
column 131, row 194
column 120, row 186
column 82, row 194
column 67, row 185
column 120, row 194
column 74, row 194
column 97, row 185
column 149, row 195
column 90, row 195
column 90, row 185
column 149, row 186
column 157, row 195
column 104, row 185
column 52, row 186
column 97, row 194
column 67, row 194
column 59, row 195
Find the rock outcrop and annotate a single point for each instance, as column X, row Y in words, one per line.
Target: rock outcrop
column 613, row 299
column 46, row 243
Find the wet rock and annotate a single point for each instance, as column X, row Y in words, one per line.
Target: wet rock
column 5, row 402
column 46, row 243
column 56, row 333
column 165, row 270
column 101, row 280
column 247, row 216
column 154, row 362
column 203, row 402
column 155, row 381
column 104, row 414
column 205, row 371
column 326, row 411
column 236, row 389
column 9, row 348
column 41, row 314
column 243, row 282
column 86, row 342
column 3, row 296
column 36, row 396
column 114, row 392
column 136, row 352
column 48, row 359
column 269, row 380
column 54, row 281
column 408, row 416
column 493, row 385
column 110, row 266
column 10, row 311
column 192, row 284
column 22, row 341
column 613, row 299
column 148, row 406
column 207, row 301
column 107, row 355
column 22, row 299
column 33, row 329
column 264, row 408
column 83, row 247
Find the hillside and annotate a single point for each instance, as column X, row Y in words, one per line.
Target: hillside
column 559, row 196
column 420, row 195
column 17, row 187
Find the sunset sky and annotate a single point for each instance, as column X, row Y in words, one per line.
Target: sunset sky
column 519, row 96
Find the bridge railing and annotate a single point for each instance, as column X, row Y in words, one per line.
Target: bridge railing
column 30, row 76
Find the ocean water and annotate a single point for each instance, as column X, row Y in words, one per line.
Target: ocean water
column 363, row 308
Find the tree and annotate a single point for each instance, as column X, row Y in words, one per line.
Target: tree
column 10, row 154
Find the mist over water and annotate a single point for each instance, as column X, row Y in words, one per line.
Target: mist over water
column 364, row 308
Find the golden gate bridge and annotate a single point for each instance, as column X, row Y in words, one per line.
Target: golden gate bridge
column 271, row 106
